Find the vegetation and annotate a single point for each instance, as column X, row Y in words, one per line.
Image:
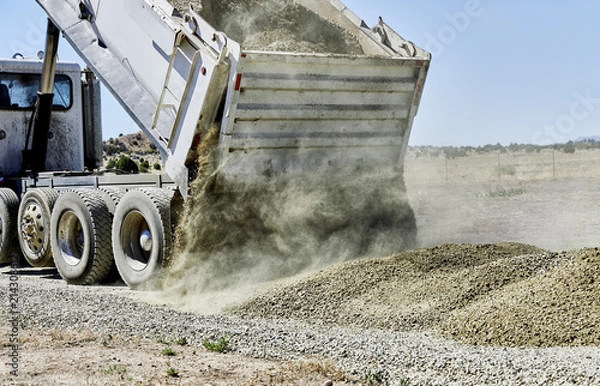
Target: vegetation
column 126, row 164
column 168, row 351
column 144, row 166
column 162, row 340
column 114, row 369
column 171, row 372
column 106, row 340
column 452, row 152
column 111, row 164
column 507, row 170
column 376, row 378
column 182, row 341
column 222, row 345
column 507, row 192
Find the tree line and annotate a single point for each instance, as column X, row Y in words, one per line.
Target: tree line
column 451, row 152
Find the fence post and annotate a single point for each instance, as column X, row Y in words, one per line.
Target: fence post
column 553, row 165
column 499, row 171
column 446, row 167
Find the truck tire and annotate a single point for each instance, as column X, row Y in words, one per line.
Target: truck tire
column 80, row 237
column 33, row 229
column 9, row 209
column 142, row 236
column 111, row 197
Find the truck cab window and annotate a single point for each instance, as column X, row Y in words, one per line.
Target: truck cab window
column 19, row 91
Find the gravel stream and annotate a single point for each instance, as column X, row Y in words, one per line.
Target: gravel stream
column 421, row 357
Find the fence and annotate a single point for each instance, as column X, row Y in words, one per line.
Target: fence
column 509, row 166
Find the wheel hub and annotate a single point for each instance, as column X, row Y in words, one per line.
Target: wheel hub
column 146, row 240
column 32, row 228
column 71, row 239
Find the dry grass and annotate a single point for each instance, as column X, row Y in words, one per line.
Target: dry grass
column 503, row 167
column 305, row 372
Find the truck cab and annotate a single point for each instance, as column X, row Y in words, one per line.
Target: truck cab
column 73, row 116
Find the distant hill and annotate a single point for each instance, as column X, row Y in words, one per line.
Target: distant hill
column 136, row 146
column 588, row 139
column 136, row 143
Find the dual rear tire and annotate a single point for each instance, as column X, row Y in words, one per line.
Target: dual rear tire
column 86, row 235
column 80, row 237
column 86, row 232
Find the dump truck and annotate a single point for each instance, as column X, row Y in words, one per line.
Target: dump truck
column 179, row 77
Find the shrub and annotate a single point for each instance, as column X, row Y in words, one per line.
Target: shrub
column 114, row 369
column 126, row 164
column 168, row 351
column 182, row 341
column 222, row 345
column 569, row 147
column 507, row 170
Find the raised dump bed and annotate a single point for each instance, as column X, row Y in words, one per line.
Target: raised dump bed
column 179, row 76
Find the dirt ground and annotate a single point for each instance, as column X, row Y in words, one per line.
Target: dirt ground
column 71, row 357
column 558, row 214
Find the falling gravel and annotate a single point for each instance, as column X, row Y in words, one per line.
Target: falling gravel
column 274, row 25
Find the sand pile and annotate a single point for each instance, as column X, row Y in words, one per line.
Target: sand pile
column 274, row 25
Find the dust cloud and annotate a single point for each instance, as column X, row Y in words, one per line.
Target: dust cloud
column 234, row 236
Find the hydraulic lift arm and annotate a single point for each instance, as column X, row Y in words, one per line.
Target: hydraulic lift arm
column 34, row 156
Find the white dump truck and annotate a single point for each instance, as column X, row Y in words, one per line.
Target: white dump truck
column 178, row 77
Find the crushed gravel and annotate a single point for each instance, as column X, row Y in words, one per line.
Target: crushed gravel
column 505, row 294
column 558, row 307
column 404, row 292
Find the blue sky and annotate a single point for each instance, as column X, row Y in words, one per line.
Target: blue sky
column 502, row 71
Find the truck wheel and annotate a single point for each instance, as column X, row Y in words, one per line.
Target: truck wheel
column 80, row 237
column 34, row 226
column 9, row 209
column 141, row 234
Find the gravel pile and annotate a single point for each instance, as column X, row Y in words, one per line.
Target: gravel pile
column 424, row 359
column 274, row 25
column 560, row 307
column 509, row 295
column 408, row 291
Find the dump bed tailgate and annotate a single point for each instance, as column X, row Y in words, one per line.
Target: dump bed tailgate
column 287, row 110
